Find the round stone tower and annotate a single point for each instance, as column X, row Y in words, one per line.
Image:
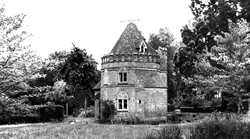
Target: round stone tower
column 133, row 77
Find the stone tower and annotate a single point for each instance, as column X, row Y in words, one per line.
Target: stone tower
column 132, row 76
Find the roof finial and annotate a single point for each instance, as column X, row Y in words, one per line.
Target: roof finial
column 130, row 20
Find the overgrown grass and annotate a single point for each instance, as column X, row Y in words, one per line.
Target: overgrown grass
column 168, row 132
column 77, row 130
column 216, row 126
column 221, row 126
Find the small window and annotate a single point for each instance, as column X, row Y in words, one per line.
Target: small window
column 122, row 102
column 123, row 77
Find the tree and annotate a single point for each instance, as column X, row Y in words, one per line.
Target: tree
column 211, row 19
column 50, row 69
column 58, row 94
column 80, row 73
column 233, row 53
column 165, row 39
column 195, row 60
column 17, row 62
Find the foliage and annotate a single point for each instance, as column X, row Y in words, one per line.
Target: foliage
column 17, row 62
column 80, row 73
column 19, row 113
column 134, row 119
column 215, row 102
column 108, row 110
column 233, row 53
column 211, row 19
column 50, row 68
column 33, row 96
column 127, row 119
column 58, row 95
column 228, row 126
column 215, row 55
column 50, row 113
column 165, row 39
column 15, row 111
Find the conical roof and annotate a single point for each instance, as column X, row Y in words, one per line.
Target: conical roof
column 130, row 41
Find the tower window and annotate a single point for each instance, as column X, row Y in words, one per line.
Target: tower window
column 122, row 102
column 122, row 76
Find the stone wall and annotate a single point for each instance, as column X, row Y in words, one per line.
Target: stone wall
column 144, row 101
column 146, row 86
column 136, row 77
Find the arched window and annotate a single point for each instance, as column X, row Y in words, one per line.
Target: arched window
column 122, row 101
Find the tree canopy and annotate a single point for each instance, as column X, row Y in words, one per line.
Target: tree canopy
column 215, row 54
column 80, row 72
column 17, row 62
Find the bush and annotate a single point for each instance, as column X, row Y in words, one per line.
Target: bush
column 216, row 102
column 19, row 113
column 171, row 107
column 217, row 127
column 136, row 119
column 127, row 119
column 51, row 113
column 168, row 132
column 108, row 111
column 76, row 112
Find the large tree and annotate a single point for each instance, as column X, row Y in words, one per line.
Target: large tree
column 165, row 39
column 80, row 72
column 196, row 61
column 232, row 52
column 211, row 18
column 17, row 62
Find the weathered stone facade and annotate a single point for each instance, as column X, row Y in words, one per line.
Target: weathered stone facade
column 132, row 76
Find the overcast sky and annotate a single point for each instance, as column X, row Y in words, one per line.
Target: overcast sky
column 94, row 25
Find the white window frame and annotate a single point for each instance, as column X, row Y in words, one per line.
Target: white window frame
column 123, row 97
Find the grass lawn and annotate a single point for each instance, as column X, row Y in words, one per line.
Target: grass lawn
column 80, row 129
column 77, row 130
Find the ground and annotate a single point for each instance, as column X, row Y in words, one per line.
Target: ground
column 77, row 128
column 72, row 128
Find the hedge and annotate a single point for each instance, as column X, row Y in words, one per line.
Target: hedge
column 50, row 113
column 13, row 114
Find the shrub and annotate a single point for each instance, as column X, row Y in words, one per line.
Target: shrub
column 50, row 113
column 135, row 119
column 216, row 102
column 168, row 132
column 171, row 107
column 90, row 112
column 19, row 113
column 108, row 110
column 127, row 119
column 228, row 126
column 76, row 112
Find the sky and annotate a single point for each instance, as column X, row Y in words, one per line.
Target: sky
column 94, row 25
